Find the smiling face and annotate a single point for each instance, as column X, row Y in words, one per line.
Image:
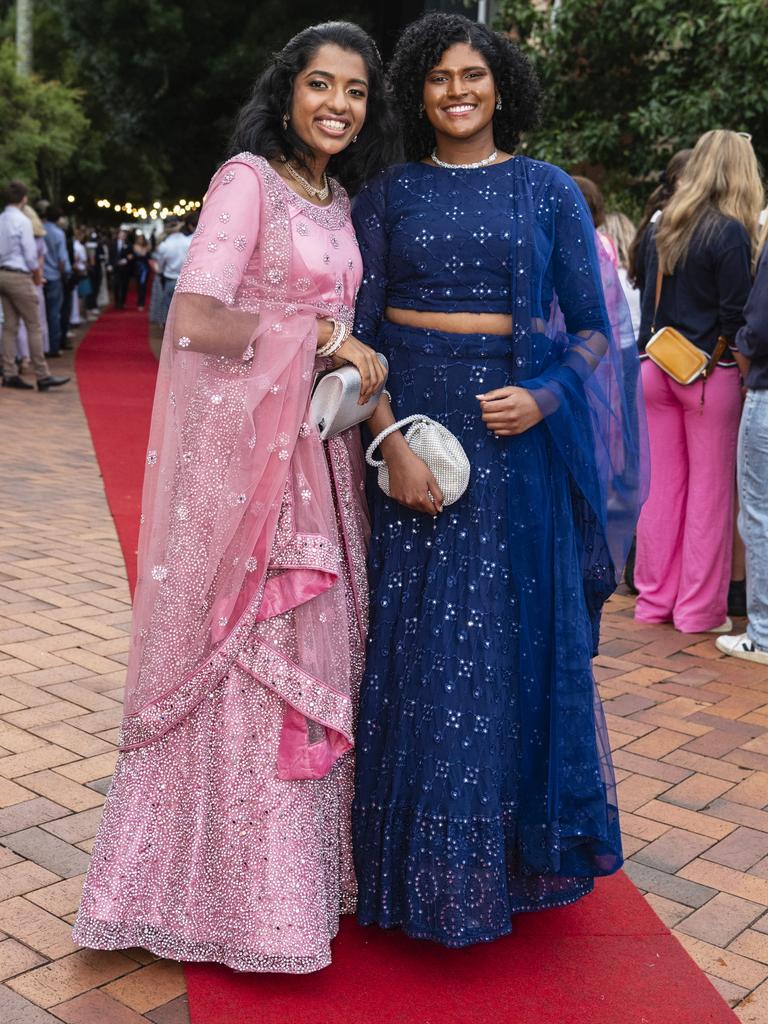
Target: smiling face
column 460, row 94
column 329, row 100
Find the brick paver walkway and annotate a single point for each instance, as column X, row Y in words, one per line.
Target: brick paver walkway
column 64, row 621
column 689, row 727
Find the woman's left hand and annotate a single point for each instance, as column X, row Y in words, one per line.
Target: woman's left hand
column 372, row 373
column 509, row 411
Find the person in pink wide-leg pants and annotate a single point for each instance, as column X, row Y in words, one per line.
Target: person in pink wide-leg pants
column 685, row 532
column 694, row 271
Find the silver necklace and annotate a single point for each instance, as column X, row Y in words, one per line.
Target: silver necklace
column 464, row 167
column 319, row 193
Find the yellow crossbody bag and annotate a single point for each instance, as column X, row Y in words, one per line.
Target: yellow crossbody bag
column 671, row 351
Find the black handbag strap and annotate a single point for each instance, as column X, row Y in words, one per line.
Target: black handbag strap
column 659, row 282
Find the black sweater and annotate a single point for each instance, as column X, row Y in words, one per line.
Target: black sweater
column 752, row 339
column 705, row 296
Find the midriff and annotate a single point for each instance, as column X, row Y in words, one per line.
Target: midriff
column 451, row 323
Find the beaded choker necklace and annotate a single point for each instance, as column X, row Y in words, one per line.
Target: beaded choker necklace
column 464, row 167
column 318, row 193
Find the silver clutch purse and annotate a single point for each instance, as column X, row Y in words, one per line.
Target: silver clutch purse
column 437, row 447
column 334, row 407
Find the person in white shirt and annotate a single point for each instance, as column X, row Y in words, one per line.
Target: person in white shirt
column 19, row 272
column 22, row 342
column 80, row 267
column 167, row 261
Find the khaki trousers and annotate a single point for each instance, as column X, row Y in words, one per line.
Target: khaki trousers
column 20, row 302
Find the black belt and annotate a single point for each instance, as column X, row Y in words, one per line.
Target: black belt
column 15, row 270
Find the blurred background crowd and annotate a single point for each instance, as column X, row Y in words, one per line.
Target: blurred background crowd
column 76, row 270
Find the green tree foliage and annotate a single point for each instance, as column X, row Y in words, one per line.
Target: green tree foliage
column 629, row 82
column 43, row 124
column 162, row 81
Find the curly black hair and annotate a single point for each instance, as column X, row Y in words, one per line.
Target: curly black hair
column 259, row 124
column 420, row 48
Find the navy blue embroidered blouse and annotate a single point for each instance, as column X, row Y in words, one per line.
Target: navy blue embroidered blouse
column 447, row 248
column 439, row 240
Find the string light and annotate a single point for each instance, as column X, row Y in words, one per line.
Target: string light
column 70, row 198
column 138, row 213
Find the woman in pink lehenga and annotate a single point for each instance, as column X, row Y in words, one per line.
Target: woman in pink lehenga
column 226, row 833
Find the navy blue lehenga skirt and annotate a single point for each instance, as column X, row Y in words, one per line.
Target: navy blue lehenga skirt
column 484, row 783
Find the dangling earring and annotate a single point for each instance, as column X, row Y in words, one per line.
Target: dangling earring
column 498, row 102
column 421, row 110
column 354, row 139
column 286, row 119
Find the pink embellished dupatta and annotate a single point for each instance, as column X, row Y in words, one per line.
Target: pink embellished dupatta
column 246, row 514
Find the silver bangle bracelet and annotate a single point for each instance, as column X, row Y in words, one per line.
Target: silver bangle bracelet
column 335, row 324
column 337, row 339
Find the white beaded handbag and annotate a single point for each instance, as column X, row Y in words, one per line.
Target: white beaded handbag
column 436, row 446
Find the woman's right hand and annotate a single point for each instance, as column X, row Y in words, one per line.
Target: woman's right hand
column 411, row 481
column 372, row 373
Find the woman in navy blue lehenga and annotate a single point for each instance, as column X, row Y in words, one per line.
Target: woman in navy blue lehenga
column 484, row 780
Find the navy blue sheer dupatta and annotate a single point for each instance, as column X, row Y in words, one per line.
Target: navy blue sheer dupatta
column 569, row 316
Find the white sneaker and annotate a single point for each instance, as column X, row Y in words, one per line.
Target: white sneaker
column 741, row 647
column 726, row 627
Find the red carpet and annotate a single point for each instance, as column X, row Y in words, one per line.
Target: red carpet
column 116, row 376
column 605, row 960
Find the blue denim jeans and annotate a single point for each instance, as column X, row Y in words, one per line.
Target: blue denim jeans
column 54, row 297
column 753, row 515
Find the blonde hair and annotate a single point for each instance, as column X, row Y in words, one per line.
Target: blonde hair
column 622, row 231
column 37, row 225
column 721, row 177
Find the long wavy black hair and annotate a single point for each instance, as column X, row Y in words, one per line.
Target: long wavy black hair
column 259, row 125
column 420, row 48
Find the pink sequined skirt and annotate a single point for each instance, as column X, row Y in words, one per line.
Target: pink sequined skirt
column 205, row 854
